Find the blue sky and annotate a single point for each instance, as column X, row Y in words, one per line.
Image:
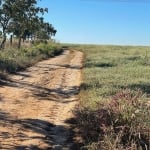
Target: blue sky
column 100, row 21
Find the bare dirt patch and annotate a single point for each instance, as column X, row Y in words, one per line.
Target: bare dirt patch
column 36, row 103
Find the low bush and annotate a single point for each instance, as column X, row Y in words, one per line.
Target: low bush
column 121, row 123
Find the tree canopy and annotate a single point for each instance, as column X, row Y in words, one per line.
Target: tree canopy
column 23, row 19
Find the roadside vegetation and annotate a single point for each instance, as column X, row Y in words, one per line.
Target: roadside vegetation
column 12, row 60
column 115, row 98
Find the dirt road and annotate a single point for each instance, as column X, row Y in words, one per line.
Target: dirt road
column 35, row 104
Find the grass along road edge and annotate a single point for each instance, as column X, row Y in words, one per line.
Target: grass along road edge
column 12, row 60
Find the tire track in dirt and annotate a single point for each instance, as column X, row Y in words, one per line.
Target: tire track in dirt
column 36, row 103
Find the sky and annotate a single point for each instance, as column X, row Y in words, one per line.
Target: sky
column 114, row 22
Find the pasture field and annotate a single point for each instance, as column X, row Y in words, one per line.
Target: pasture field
column 114, row 97
column 109, row 69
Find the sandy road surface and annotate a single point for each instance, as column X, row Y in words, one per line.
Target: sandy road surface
column 36, row 103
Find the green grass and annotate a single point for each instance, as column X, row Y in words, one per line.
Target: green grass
column 111, row 68
column 114, row 108
column 12, row 60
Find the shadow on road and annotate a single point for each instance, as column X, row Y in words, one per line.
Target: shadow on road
column 43, row 128
column 43, row 93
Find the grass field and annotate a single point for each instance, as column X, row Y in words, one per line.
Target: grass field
column 109, row 69
column 116, row 85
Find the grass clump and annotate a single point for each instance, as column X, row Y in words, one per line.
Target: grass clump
column 12, row 60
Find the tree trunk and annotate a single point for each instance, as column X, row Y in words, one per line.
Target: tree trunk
column 19, row 42
column 2, row 45
column 11, row 40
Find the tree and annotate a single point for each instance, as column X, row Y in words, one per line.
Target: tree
column 5, row 17
column 22, row 19
column 25, row 18
column 46, row 31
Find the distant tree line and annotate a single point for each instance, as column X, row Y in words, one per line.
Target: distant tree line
column 24, row 20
